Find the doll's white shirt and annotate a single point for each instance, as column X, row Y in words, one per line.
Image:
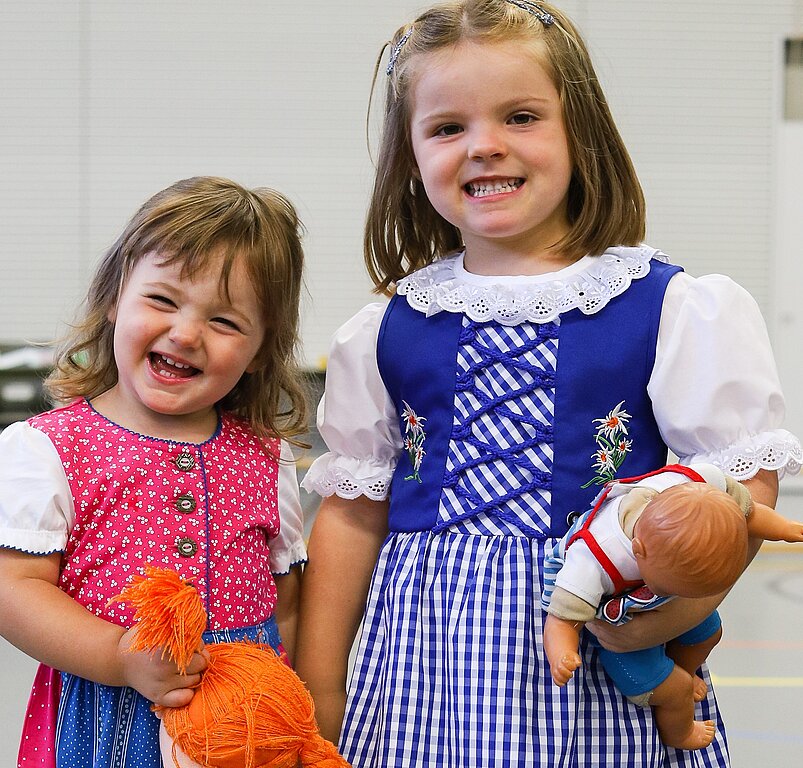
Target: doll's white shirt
column 35, row 495
column 714, row 387
column 582, row 573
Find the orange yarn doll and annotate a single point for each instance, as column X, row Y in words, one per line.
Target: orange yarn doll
column 250, row 709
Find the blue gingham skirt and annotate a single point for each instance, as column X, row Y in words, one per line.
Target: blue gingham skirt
column 103, row 726
column 450, row 671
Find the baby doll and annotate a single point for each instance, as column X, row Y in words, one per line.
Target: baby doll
column 250, row 709
column 679, row 531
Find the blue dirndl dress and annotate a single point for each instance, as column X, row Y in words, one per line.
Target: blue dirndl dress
column 498, row 423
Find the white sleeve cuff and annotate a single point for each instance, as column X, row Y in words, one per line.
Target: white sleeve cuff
column 347, row 477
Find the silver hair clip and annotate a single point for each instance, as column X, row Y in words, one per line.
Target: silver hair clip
column 394, row 54
column 547, row 19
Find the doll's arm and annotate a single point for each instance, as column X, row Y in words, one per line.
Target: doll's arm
column 288, row 591
column 561, row 640
column 47, row 624
column 764, row 522
column 343, row 548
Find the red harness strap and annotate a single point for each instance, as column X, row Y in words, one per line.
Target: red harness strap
column 620, row 584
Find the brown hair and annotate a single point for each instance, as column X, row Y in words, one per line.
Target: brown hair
column 697, row 533
column 190, row 222
column 605, row 202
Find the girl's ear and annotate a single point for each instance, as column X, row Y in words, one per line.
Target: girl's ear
column 639, row 549
column 416, row 173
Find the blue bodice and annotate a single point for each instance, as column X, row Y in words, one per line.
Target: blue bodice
column 509, row 423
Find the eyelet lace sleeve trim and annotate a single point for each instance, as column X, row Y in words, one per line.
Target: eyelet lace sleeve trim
column 348, row 478
column 438, row 287
column 778, row 451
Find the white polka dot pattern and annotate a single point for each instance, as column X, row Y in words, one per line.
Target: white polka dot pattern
column 130, row 495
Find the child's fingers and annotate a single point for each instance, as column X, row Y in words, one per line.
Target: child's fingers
column 198, row 663
column 178, row 697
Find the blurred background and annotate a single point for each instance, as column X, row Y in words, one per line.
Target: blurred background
column 104, row 103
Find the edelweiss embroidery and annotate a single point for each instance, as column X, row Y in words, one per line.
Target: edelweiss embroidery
column 613, row 445
column 414, row 437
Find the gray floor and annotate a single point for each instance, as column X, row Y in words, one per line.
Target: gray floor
column 758, row 665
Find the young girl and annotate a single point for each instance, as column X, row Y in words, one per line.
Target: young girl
column 533, row 345
column 170, row 452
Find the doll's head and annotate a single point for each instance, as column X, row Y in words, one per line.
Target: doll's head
column 691, row 541
column 194, row 223
column 250, row 709
column 605, row 200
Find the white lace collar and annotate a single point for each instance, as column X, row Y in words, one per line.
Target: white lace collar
column 588, row 284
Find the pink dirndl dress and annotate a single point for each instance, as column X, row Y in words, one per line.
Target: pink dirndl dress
column 207, row 511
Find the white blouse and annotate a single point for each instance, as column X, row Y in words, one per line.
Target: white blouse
column 714, row 387
column 37, row 512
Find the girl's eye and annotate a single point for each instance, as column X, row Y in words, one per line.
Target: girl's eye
column 452, row 129
column 159, row 299
column 226, row 322
column 522, row 118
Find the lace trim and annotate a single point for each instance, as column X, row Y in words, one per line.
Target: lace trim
column 778, row 451
column 326, row 478
column 437, row 288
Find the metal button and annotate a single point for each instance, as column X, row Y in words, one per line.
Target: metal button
column 186, row 547
column 185, row 461
column 185, row 503
column 571, row 518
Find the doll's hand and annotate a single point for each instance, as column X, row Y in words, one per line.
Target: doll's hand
column 563, row 670
column 158, row 679
column 793, row 532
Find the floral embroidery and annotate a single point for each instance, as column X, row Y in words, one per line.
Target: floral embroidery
column 612, row 445
column 414, row 437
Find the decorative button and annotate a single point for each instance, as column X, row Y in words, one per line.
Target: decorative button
column 185, row 503
column 186, row 547
column 571, row 518
column 185, row 461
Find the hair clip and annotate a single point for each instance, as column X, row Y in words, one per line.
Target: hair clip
column 394, row 54
column 547, row 19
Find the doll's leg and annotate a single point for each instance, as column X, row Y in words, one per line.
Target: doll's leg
column 673, row 707
column 692, row 648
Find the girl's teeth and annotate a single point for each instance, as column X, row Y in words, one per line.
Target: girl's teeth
column 170, row 361
column 484, row 188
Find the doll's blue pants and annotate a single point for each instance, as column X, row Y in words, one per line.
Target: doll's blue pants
column 638, row 672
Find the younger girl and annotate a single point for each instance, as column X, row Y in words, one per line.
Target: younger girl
column 533, row 346
column 170, row 453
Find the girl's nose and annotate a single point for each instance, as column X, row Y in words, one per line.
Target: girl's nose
column 486, row 143
column 185, row 331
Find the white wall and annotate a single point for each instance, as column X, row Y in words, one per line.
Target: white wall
column 105, row 101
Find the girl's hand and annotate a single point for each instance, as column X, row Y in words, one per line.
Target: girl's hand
column 157, row 678
column 654, row 627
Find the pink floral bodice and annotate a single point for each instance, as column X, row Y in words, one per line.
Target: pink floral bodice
column 206, row 510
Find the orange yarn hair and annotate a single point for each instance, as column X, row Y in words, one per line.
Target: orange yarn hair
column 250, row 709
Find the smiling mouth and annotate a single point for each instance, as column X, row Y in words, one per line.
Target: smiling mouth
column 496, row 187
column 172, row 369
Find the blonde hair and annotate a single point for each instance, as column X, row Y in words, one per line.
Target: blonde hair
column 191, row 222
column 605, row 201
column 697, row 533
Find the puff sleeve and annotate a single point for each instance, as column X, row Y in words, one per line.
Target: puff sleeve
column 288, row 548
column 356, row 417
column 36, row 506
column 715, row 388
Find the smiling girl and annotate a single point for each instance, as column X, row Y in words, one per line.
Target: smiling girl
column 171, row 451
column 463, row 417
